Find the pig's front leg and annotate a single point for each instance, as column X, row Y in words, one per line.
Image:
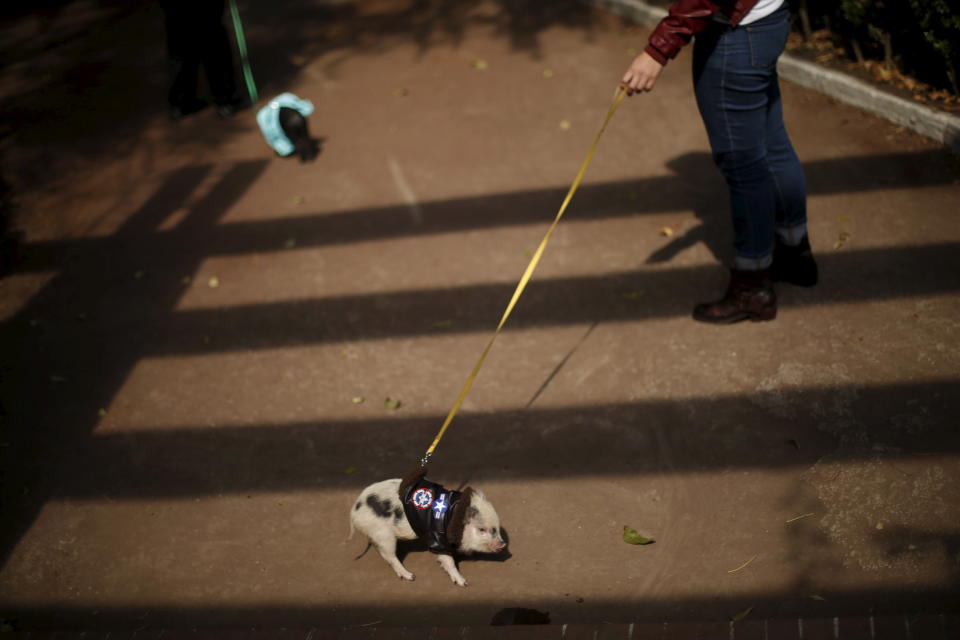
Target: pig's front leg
column 451, row 568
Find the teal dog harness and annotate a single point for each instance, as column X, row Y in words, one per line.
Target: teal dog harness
column 269, row 120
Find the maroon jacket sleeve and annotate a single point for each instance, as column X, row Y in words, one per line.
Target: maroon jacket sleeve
column 686, row 19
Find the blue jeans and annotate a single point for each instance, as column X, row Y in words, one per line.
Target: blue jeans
column 738, row 94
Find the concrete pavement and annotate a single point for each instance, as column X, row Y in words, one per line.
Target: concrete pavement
column 201, row 337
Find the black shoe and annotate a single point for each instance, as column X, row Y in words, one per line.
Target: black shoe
column 180, row 111
column 794, row 264
column 229, row 109
column 750, row 296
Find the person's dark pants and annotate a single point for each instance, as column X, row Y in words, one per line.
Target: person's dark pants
column 737, row 90
column 196, row 36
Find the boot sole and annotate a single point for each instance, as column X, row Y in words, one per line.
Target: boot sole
column 796, row 283
column 763, row 316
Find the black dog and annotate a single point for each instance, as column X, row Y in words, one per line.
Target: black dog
column 297, row 131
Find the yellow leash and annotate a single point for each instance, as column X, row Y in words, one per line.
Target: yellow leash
column 617, row 99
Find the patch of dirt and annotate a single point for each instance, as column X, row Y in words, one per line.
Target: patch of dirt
column 824, row 48
column 885, row 514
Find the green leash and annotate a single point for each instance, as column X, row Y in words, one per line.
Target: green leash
column 242, row 45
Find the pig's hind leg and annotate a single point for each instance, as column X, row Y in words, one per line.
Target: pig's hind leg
column 386, row 544
column 450, row 567
column 378, row 514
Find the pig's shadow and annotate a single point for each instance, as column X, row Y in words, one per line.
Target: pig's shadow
column 409, row 546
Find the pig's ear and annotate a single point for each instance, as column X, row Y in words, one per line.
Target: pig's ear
column 409, row 480
column 458, row 519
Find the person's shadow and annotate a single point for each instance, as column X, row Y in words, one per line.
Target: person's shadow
column 702, row 189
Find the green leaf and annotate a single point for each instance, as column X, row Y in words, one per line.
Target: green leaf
column 350, row 470
column 391, row 404
column 630, row 536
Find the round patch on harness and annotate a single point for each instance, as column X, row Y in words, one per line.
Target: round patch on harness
column 422, row 499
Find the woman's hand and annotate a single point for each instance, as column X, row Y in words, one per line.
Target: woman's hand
column 642, row 74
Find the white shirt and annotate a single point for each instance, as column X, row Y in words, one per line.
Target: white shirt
column 762, row 9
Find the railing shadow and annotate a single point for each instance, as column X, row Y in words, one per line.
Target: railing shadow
column 695, row 185
column 112, row 303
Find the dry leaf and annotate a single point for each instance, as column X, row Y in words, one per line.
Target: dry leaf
column 806, row 515
column 401, row 92
column 290, row 243
column 548, row 73
column 479, row 64
column 743, row 566
column 565, row 125
column 841, row 240
column 358, row 400
column 816, row 597
column 213, row 282
column 391, row 404
column 350, row 470
column 102, row 412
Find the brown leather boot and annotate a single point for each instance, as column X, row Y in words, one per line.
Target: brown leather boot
column 750, row 296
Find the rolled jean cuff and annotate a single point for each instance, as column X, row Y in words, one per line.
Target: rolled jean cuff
column 743, row 263
column 792, row 236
